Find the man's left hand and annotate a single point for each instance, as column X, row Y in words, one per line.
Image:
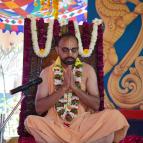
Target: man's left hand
column 72, row 81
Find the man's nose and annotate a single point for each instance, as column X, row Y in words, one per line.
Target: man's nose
column 70, row 52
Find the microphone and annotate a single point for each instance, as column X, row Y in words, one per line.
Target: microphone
column 26, row 86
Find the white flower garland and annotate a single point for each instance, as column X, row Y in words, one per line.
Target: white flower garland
column 41, row 52
column 93, row 40
column 65, row 104
column 44, row 52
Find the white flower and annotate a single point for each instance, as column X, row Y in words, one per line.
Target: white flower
column 79, row 69
column 74, row 106
column 58, row 82
column 59, row 108
column 62, row 100
column 58, row 72
column 75, row 97
column 72, row 114
column 97, row 21
column 64, row 115
column 78, row 79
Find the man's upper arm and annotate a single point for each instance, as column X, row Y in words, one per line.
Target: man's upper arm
column 42, row 90
column 92, row 86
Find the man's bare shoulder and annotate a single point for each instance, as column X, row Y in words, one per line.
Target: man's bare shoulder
column 46, row 70
column 88, row 67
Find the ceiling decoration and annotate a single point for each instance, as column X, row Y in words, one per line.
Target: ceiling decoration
column 13, row 12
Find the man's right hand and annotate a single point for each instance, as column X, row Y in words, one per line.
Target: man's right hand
column 66, row 82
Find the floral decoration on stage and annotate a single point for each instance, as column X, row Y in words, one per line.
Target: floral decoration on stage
column 42, row 51
column 86, row 42
column 42, row 37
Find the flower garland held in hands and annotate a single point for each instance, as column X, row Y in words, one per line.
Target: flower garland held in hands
column 67, row 106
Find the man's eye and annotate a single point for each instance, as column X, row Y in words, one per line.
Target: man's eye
column 74, row 50
column 65, row 50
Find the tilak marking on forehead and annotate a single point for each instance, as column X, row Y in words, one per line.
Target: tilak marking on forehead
column 70, row 42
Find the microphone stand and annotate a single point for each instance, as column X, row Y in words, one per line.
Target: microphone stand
column 2, row 125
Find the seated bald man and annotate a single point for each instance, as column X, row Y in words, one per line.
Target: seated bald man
column 69, row 92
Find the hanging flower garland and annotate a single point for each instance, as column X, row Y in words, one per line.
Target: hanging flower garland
column 67, row 106
column 86, row 36
column 85, row 48
column 93, row 40
column 41, row 34
column 57, row 31
column 71, row 28
column 41, row 52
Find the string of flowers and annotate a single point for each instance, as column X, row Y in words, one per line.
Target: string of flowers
column 86, row 36
column 100, row 65
column 55, row 6
column 71, row 29
column 86, row 45
column 96, row 22
column 41, row 52
column 41, row 33
column 67, row 106
column 56, row 31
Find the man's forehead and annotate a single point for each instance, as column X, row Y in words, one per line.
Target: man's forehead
column 68, row 42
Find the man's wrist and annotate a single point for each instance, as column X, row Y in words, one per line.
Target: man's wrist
column 60, row 91
column 75, row 90
column 63, row 89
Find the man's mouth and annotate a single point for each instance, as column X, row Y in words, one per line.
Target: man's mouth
column 69, row 61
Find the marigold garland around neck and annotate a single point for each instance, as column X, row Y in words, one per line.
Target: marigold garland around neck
column 67, row 106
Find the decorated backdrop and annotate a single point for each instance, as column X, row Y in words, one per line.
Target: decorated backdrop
column 122, row 41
